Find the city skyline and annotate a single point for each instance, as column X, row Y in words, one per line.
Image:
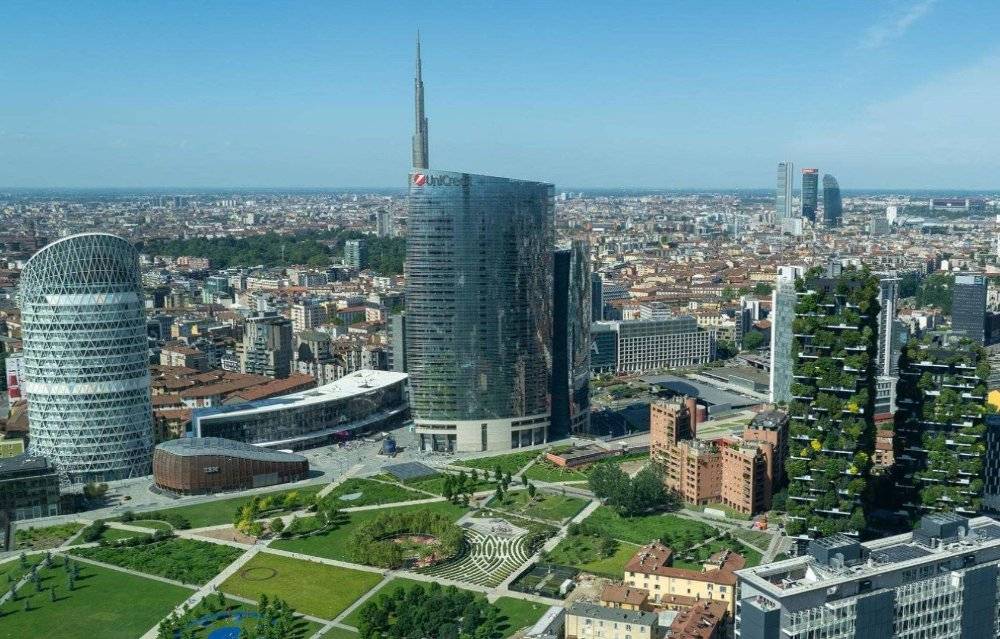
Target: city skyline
column 318, row 102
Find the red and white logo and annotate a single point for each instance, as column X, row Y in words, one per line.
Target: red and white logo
column 419, row 179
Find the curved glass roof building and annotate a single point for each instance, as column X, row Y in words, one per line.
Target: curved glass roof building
column 86, row 363
column 478, row 310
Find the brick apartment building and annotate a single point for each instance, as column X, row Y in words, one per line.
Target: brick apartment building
column 738, row 472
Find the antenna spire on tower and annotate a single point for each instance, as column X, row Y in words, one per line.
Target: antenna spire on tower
column 420, row 152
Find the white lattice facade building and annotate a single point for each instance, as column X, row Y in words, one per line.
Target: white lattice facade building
column 86, row 362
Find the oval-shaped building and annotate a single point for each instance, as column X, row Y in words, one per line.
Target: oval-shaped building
column 86, row 362
column 199, row 465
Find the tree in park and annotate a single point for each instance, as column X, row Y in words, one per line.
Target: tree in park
column 532, row 490
column 499, row 493
column 497, row 472
column 448, row 489
column 474, row 475
column 277, row 525
column 524, row 480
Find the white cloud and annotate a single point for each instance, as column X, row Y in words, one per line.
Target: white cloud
column 895, row 26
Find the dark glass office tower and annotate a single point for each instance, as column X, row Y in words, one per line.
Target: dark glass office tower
column 596, row 297
column 810, row 193
column 571, row 313
column 833, row 208
column 478, row 310
column 968, row 307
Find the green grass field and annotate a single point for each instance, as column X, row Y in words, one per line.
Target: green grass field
column 311, row 588
column 155, row 524
column 511, row 463
column 543, row 506
column 583, row 552
column 116, row 534
column 339, row 633
column 333, row 544
column 11, row 571
column 44, row 538
column 519, row 613
column 223, row 511
column 644, row 529
column 435, row 484
column 549, row 472
column 372, row 493
column 105, row 603
column 184, row 560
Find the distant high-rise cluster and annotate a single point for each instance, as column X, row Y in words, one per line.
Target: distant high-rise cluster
column 86, row 363
column 785, row 215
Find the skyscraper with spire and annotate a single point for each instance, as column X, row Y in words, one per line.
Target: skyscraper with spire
column 479, row 289
column 420, row 153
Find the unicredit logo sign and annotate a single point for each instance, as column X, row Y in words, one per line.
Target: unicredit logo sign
column 422, row 179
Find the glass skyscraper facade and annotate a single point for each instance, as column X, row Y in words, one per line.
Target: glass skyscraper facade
column 783, row 195
column 833, row 207
column 86, row 363
column 810, row 193
column 479, row 310
column 968, row 306
column 572, row 314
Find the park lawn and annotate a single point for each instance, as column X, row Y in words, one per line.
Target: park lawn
column 519, row 613
column 184, row 560
column 758, row 538
column 549, row 472
column 334, row 544
column 511, row 463
column 154, row 524
column 339, row 633
column 223, row 511
column 543, row 506
column 372, row 493
column 311, row 588
column 385, row 589
column 435, row 484
column 646, row 528
column 583, row 552
column 44, row 538
column 104, row 603
column 12, row 570
column 117, row 534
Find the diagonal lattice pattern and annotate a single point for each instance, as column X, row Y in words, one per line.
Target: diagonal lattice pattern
column 86, row 364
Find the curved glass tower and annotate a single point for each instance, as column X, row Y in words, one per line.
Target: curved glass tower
column 833, row 207
column 478, row 310
column 86, row 362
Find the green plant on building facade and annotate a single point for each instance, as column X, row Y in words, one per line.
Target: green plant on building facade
column 832, row 430
column 940, row 426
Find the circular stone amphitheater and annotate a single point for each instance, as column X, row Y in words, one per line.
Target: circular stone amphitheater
column 494, row 549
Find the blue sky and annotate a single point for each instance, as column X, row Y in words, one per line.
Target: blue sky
column 881, row 93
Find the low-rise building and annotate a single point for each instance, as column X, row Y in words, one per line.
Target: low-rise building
column 669, row 588
column 591, row 621
column 193, row 466
column 29, row 487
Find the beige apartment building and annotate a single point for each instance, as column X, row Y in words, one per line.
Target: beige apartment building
column 669, row 588
column 591, row 621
